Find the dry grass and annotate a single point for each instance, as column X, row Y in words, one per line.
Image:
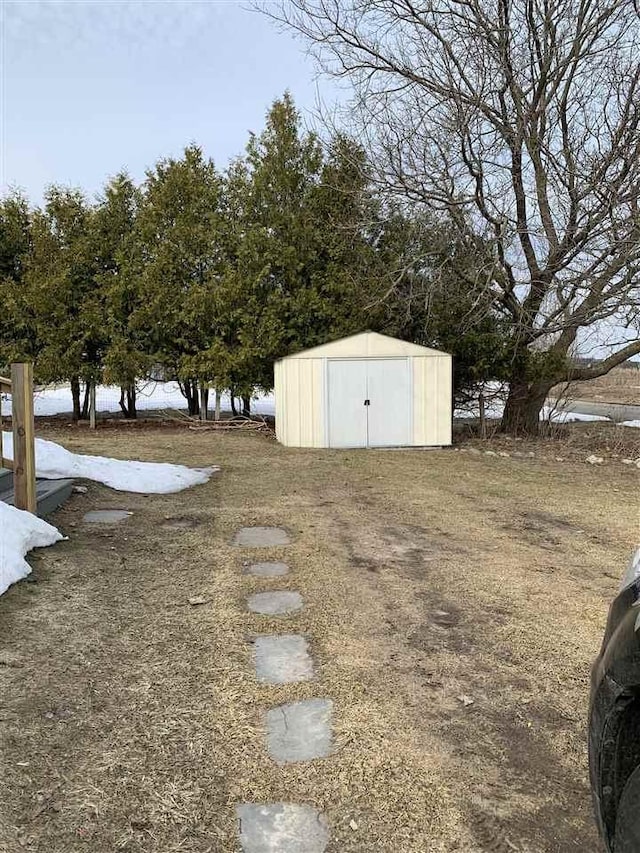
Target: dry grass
column 559, row 442
column 131, row 721
column 620, row 385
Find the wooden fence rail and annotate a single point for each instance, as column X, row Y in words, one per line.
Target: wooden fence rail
column 23, row 465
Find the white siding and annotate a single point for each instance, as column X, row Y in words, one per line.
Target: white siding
column 299, row 391
column 432, row 400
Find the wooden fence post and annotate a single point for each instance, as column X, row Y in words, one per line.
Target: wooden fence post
column 24, row 460
column 482, row 413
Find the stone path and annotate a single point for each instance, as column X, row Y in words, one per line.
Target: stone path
column 261, row 537
column 282, row 659
column 281, row 828
column 268, row 570
column 275, row 603
column 106, row 516
column 295, row 732
column 300, row 731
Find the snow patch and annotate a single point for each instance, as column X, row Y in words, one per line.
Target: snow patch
column 561, row 417
column 21, row 532
column 54, row 462
column 495, row 410
column 153, row 396
column 631, row 424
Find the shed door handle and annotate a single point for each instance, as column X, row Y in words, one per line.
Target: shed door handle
column 366, row 402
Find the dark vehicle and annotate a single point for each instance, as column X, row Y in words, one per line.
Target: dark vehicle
column 614, row 721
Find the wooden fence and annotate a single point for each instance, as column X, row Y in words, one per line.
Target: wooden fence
column 23, row 465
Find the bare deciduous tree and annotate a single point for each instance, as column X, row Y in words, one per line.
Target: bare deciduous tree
column 519, row 120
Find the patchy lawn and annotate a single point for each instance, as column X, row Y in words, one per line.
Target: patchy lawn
column 454, row 603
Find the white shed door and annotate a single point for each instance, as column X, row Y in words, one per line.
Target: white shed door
column 389, row 395
column 347, row 413
column 369, row 402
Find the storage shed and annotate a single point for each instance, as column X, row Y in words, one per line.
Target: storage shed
column 367, row 390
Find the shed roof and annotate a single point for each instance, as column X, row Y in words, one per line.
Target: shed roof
column 366, row 345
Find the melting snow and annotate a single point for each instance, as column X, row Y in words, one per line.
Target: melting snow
column 495, row 409
column 53, row 462
column 152, row 396
column 20, row 532
column 559, row 416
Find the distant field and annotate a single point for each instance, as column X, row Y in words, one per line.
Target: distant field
column 621, row 385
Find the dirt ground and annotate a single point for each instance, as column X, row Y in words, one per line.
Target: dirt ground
column 621, row 385
column 454, row 603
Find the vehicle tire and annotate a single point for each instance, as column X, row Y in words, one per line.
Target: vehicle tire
column 627, row 838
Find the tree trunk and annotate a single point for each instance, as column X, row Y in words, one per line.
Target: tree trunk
column 246, row 407
column 131, row 402
column 524, row 403
column 234, row 409
column 75, row 396
column 190, row 391
column 216, row 414
column 128, row 401
column 193, row 400
column 85, row 402
column 92, row 406
column 204, row 403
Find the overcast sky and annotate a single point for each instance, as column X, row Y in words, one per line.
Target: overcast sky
column 92, row 86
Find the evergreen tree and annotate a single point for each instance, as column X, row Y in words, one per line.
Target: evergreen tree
column 62, row 294
column 300, row 259
column 343, row 267
column 173, row 266
column 17, row 333
column 15, row 227
column 113, row 236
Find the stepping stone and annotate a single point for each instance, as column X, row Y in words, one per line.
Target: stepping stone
column 261, row 537
column 180, row 522
column 275, row 603
column 299, row 731
column 268, row 570
column 106, row 516
column 282, row 659
column 282, row 828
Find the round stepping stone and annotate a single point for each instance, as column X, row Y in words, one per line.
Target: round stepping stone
column 281, row 828
column 268, row 570
column 282, row 659
column 261, row 537
column 299, row 731
column 106, row 516
column 275, row 603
